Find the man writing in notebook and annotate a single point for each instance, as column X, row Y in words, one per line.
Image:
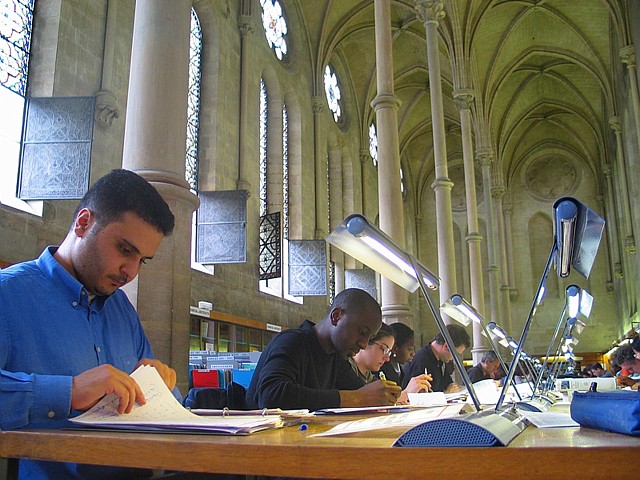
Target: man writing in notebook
column 436, row 359
column 307, row 367
column 68, row 334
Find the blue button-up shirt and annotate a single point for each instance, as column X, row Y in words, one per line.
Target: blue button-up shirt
column 50, row 332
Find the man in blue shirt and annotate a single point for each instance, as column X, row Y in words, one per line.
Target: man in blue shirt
column 68, row 334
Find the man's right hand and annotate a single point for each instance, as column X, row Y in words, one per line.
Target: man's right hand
column 91, row 385
column 380, row 392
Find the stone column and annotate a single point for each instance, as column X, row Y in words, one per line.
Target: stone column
column 320, row 170
column 508, row 229
column 106, row 105
column 486, row 158
column 629, row 240
column 628, row 57
column 607, row 251
column 395, row 300
column 498, row 193
column 463, row 99
column 611, row 222
column 155, row 148
column 246, row 117
column 430, row 11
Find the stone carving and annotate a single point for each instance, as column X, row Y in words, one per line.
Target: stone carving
column 551, row 177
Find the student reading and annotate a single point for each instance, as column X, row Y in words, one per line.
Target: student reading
column 307, row 367
column 68, row 334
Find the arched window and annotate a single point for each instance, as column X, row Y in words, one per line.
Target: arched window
column 263, row 148
column 193, row 102
column 285, row 173
column 373, row 144
column 16, row 21
column 275, row 27
column 334, row 96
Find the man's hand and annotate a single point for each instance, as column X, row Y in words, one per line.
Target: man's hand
column 167, row 373
column 380, row 392
column 419, row 383
column 91, row 385
column 453, row 388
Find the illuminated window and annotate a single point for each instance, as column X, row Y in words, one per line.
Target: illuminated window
column 193, row 102
column 334, row 96
column 16, row 22
column 402, row 181
column 263, row 148
column 373, row 144
column 275, row 27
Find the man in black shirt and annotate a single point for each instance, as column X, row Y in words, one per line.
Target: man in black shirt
column 435, row 359
column 307, row 367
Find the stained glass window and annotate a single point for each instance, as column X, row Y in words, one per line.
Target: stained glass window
column 373, row 144
column 285, row 172
column 16, row 18
column 334, row 96
column 275, row 27
column 263, row 148
column 193, row 102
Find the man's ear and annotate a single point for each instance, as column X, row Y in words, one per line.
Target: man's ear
column 335, row 315
column 83, row 221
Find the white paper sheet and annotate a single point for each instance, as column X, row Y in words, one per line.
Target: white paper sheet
column 549, row 419
column 410, row 419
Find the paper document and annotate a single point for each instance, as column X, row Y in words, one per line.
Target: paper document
column 361, row 410
column 163, row 412
column 549, row 419
column 409, row 419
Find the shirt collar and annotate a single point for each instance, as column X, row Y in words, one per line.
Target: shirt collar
column 73, row 290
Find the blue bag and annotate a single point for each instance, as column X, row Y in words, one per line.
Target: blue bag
column 613, row 410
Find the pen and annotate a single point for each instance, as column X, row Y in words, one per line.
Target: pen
column 382, row 376
column 427, row 373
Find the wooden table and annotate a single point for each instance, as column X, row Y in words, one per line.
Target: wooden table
column 535, row 453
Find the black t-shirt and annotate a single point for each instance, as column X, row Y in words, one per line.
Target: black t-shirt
column 425, row 358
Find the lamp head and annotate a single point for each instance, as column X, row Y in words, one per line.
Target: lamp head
column 365, row 242
column 459, row 309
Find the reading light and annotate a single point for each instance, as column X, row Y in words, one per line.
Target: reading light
column 577, row 234
column 573, row 300
column 566, row 213
column 459, row 309
column 368, row 244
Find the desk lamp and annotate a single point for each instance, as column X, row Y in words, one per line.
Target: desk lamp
column 357, row 237
column 577, row 234
column 459, row 309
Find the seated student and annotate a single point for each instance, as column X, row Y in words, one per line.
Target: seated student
column 75, row 337
column 308, row 367
column 629, row 358
column 402, row 352
column 597, row 371
column 486, row 369
column 436, row 360
column 367, row 363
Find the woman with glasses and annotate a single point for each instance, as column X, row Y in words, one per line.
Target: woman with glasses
column 368, row 363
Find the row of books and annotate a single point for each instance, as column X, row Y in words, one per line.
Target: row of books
column 206, row 369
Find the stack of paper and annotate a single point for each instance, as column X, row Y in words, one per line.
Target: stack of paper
column 163, row 412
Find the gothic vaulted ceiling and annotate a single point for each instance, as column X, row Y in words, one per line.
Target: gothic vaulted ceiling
column 540, row 73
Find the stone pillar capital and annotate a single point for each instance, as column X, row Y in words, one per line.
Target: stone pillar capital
column 106, row 108
column 442, row 184
column 614, row 124
column 364, row 156
column 430, row 11
column 246, row 25
column 484, row 156
column 498, row 191
column 628, row 55
column 463, row 97
column 606, row 169
column 317, row 104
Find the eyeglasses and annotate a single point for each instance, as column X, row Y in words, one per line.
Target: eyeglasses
column 385, row 350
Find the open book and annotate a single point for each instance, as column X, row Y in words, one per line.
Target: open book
column 163, row 412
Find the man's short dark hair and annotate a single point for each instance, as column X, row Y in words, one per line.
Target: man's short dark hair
column 458, row 334
column 355, row 298
column 624, row 354
column 122, row 191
